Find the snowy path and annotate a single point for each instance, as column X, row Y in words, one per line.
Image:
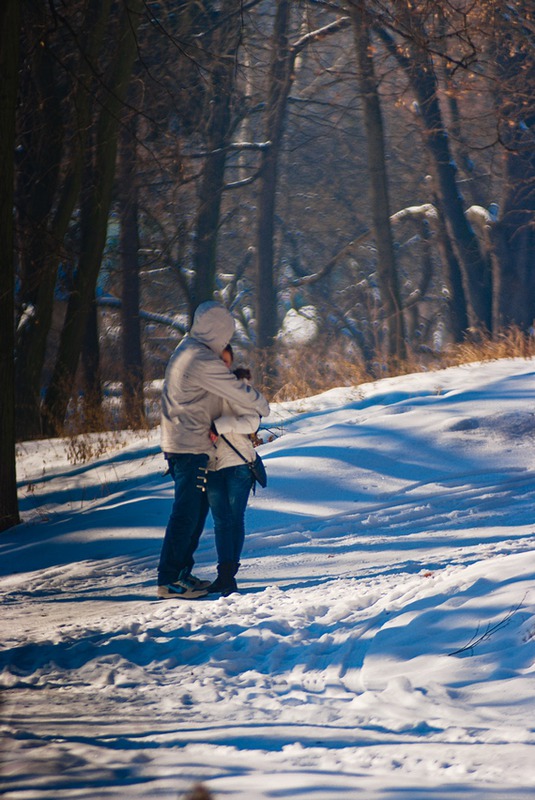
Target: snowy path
column 386, row 541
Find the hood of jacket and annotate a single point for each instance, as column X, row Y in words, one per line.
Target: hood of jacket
column 212, row 325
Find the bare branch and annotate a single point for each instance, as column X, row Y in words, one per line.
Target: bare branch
column 315, row 36
column 232, row 146
column 317, row 276
column 489, row 630
column 426, row 211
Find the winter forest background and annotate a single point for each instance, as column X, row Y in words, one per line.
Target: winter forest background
column 365, row 168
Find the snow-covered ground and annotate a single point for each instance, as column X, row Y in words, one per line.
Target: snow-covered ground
column 384, row 642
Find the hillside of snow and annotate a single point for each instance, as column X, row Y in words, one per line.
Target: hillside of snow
column 382, row 646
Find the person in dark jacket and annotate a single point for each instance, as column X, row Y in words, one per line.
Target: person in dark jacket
column 195, row 385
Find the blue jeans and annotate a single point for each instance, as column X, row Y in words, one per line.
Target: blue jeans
column 188, row 516
column 228, row 491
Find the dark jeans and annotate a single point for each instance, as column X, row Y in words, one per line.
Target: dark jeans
column 187, row 518
column 228, row 491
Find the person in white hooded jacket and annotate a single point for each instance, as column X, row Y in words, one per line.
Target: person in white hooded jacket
column 195, row 385
column 230, row 481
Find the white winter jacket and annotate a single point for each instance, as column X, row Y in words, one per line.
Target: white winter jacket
column 235, row 425
column 197, row 381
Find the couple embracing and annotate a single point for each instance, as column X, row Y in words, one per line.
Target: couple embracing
column 206, row 408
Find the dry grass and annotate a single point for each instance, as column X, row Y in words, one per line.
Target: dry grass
column 311, row 369
column 512, row 343
column 92, row 430
column 300, row 372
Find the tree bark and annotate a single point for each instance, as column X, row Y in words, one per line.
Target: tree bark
column 280, row 82
column 37, row 290
column 133, row 406
column 458, row 312
column 219, row 132
column 379, row 198
column 94, row 228
column 9, row 63
column 514, row 233
column 475, row 268
column 91, row 382
column 419, row 66
column 40, row 146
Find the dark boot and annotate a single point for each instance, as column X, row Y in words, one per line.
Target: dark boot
column 225, row 583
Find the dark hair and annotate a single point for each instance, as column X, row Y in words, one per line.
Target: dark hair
column 228, row 349
column 242, row 372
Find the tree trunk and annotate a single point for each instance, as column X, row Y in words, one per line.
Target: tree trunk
column 133, row 405
column 37, row 291
column 476, row 271
column 380, row 204
column 94, row 229
column 40, row 144
column 91, row 400
column 458, row 312
column 475, row 268
column 9, row 64
column 514, row 234
column 220, row 126
column 280, row 81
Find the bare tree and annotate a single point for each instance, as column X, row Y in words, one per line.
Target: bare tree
column 9, row 55
column 95, row 208
column 415, row 56
column 132, row 359
column 54, row 122
column 281, row 76
column 379, row 196
column 512, row 38
column 280, row 81
column 290, row 231
column 221, row 121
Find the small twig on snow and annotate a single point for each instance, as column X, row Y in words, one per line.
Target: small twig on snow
column 490, row 629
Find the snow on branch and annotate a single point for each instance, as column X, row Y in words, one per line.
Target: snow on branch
column 314, row 36
column 478, row 215
column 161, row 319
column 427, row 211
